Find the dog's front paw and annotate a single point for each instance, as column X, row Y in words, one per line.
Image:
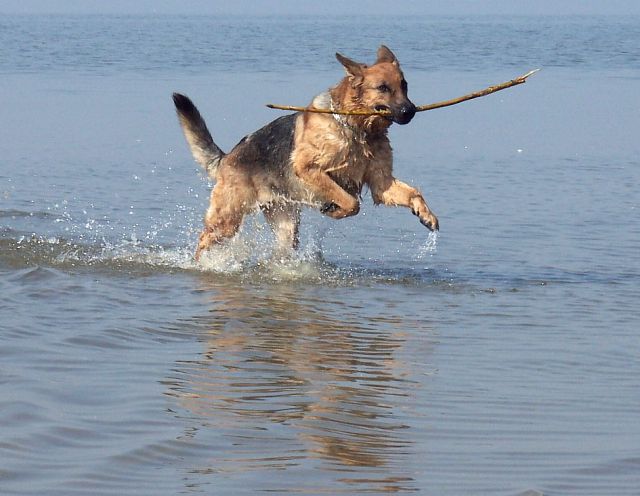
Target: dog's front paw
column 430, row 222
column 427, row 219
column 329, row 207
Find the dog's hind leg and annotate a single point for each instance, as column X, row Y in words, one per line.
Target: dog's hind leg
column 284, row 219
column 226, row 211
column 217, row 231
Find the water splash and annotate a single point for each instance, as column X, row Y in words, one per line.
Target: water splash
column 234, row 256
column 166, row 243
column 430, row 246
column 253, row 255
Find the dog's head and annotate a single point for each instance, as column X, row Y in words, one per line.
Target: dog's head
column 379, row 87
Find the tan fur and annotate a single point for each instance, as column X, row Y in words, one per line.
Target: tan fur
column 331, row 159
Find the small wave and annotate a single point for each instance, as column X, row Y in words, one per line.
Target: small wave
column 57, row 252
column 37, row 273
column 249, row 258
column 21, row 214
column 33, row 251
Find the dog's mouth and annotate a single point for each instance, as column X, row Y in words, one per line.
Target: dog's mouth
column 386, row 112
column 402, row 115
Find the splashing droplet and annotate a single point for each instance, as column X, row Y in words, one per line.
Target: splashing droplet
column 430, row 246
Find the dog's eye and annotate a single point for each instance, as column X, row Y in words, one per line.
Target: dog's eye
column 383, row 88
column 405, row 86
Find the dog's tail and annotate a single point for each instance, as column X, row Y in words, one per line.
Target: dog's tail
column 204, row 150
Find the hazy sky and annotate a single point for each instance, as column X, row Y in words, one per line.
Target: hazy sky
column 323, row 7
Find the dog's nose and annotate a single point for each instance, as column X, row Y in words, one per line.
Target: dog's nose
column 406, row 113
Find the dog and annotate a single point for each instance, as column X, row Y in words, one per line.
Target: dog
column 309, row 159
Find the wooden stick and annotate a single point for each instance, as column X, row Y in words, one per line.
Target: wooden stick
column 487, row 91
column 446, row 103
column 327, row 111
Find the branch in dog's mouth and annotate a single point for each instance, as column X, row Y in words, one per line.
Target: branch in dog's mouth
column 422, row 108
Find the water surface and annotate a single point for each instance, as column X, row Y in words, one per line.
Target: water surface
column 499, row 357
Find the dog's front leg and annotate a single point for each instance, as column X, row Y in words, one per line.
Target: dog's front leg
column 387, row 190
column 338, row 203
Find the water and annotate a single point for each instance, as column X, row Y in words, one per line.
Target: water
column 499, row 357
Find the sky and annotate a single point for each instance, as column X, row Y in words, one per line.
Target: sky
column 324, row 7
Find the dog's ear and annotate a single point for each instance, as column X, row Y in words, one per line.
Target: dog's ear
column 386, row 55
column 354, row 69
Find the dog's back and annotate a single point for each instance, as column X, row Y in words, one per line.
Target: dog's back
column 269, row 147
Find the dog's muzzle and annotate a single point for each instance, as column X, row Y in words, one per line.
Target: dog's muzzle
column 404, row 113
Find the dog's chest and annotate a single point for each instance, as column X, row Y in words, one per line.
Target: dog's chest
column 353, row 155
column 343, row 150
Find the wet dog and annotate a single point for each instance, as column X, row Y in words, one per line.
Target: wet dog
column 313, row 159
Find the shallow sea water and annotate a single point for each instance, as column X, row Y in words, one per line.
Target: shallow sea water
column 498, row 357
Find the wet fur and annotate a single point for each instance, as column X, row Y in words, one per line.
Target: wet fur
column 318, row 160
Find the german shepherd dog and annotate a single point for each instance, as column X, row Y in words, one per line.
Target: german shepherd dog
column 313, row 159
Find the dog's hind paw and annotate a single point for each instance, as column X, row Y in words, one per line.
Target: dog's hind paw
column 336, row 211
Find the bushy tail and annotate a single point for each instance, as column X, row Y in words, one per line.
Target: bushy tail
column 204, row 150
